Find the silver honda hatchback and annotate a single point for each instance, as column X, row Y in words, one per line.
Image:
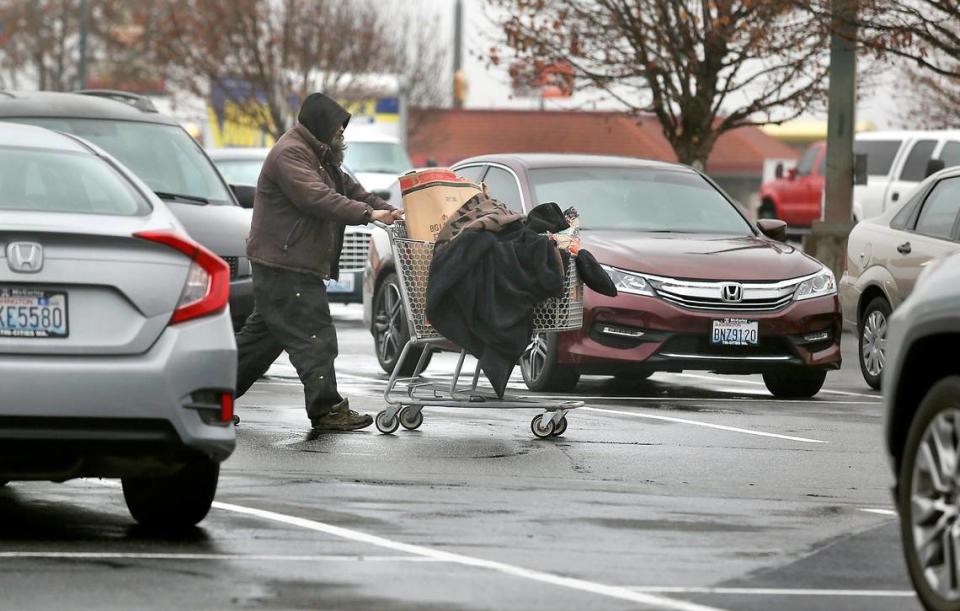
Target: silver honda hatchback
column 117, row 356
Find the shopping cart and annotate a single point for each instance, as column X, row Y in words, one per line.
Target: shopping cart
column 405, row 406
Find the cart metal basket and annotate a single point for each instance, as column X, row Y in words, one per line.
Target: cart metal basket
column 404, row 408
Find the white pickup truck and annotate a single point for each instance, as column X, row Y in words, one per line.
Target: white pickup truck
column 897, row 161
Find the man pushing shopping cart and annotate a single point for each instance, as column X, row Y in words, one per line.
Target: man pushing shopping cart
column 303, row 202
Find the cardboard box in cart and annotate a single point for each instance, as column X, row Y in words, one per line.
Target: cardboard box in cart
column 430, row 197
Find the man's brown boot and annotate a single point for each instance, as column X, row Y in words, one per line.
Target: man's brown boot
column 341, row 418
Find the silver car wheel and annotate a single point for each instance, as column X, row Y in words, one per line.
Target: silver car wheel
column 935, row 505
column 534, row 358
column 874, row 343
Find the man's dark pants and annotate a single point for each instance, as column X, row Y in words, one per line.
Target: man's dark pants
column 291, row 313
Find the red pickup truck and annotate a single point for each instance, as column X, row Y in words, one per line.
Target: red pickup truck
column 795, row 197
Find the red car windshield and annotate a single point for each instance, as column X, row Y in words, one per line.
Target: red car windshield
column 640, row 199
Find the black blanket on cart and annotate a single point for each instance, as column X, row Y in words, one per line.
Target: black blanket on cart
column 482, row 289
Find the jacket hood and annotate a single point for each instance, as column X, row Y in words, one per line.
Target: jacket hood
column 701, row 257
column 322, row 117
column 300, row 131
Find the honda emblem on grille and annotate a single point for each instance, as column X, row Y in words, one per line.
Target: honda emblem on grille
column 25, row 257
column 732, row 293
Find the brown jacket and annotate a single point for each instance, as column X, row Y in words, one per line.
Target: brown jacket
column 479, row 213
column 302, row 204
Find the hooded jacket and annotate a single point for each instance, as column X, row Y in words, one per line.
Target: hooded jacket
column 303, row 200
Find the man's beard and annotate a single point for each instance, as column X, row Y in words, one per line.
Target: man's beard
column 338, row 149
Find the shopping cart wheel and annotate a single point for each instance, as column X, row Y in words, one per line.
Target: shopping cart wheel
column 411, row 418
column 541, row 427
column 560, row 428
column 385, row 426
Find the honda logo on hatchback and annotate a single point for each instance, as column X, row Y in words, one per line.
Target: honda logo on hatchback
column 25, row 257
column 732, row 293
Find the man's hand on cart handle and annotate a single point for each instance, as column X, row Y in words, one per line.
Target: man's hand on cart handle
column 387, row 217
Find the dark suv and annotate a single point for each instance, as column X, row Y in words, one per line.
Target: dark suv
column 164, row 156
column 921, row 395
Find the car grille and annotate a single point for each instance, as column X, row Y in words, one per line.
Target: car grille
column 708, row 296
column 356, row 247
column 234, row 263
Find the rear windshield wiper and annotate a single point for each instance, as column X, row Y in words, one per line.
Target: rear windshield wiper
column 178, row 197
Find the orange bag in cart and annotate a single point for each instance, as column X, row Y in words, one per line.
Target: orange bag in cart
column 430, row 197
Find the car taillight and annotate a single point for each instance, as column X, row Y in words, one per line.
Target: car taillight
column 215, row 407
column 226, row 407
column 207, row 289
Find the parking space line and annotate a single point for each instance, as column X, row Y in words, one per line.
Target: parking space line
column 232, row 557
column 703, row 399
column 882, row 512
column 277, row 383
column 621, row 593
column 775, row 591
column 294, row 381
column 769, row 399
column 618, row 592
column 626, row 398
column 708, row 425
column 752, row 383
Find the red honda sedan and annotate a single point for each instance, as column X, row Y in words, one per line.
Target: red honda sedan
column 700, row 287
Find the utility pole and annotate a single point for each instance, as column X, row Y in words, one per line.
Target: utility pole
column 459, row 78
column 84, row 26
column 828, row 240
column 404, row 91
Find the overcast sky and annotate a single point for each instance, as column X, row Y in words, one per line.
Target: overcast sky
column 489, row 87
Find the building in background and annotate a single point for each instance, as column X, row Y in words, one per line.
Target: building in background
column 236, row 115
column 803, row 132
column 444, row 136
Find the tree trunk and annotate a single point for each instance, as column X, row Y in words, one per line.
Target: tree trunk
column 41, row 72
column 61, row 53
column 279, row 121
column 693, row 149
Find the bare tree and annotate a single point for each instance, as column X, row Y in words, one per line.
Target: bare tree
column 926, row 32
column 40, row 42
column 930, row 100
column 281, row 51
column 426, row 61
column 702, row 68
column 125, row 40
column 925, row 36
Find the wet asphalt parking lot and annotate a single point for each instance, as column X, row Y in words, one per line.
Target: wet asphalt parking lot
column 687, row 492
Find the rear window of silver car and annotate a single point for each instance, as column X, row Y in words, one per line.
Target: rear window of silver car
column 56, row 181
column 640, row 199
